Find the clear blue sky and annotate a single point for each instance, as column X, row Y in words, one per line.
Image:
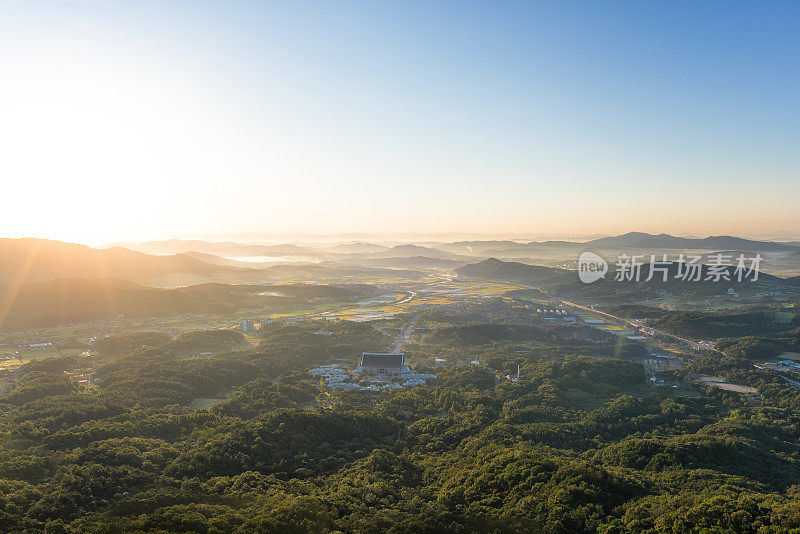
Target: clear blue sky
column 527, row 117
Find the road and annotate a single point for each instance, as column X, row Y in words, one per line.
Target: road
column 405, row 336
column 411, row 294
column 693, row 344
column 793, row 383
column 647, row 330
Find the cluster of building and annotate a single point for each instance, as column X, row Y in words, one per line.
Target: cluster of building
column 247, row 325
column 551, row 311
column 323, row 332
column 38, row 346
column 783, row 365
column 769, row 294
column 375, row 372
column 83, row 376
column 251, row 325
column 657, row 362
column 514, row 378
column 555, row 314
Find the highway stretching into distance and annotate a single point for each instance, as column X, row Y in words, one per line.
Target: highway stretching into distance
column 652, row 331
column 646, row 330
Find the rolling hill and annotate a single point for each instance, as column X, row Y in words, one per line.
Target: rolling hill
column 509, row 271
column 218, row 248
column 71, row 300
column 358, row 247
column 566, row 282
column 34, row 260
column 411, row 262
column 410, row 251
column 631, row 240
column 640, row 240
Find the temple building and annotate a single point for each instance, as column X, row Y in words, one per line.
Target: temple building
column 377, row 363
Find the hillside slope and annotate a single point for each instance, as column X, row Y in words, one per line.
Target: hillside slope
column 34, row 260
column 64, row 301
column 494, row 269
column 566, row 282
column 641, row 240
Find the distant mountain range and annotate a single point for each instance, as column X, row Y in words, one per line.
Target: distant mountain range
column 488, row 248
column 36, row 260
column 181, row 262
column 227, row 249
column 356, row 248
column 49, row 282
column 411, row 262
column 33, row 260
column 410, row 251
column 641, row 240
column 631, row 240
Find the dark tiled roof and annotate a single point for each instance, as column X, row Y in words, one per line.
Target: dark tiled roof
column 371, row 359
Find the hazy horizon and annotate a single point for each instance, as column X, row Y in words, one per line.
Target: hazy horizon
column 400, row 237
column 418, row 237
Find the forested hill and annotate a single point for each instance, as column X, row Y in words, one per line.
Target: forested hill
column 566, row 282
column 73, row 300
column 641, row 240
column 35, row 260
column 494, row 269
column 579, row 443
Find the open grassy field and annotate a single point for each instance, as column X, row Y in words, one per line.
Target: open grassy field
column 204, row 403
column 12, row 364
column 29, row 355
column 727, row 386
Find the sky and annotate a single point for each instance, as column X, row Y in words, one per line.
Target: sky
column 147, row 120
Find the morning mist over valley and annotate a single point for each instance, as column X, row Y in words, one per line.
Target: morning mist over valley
column 382, row 267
